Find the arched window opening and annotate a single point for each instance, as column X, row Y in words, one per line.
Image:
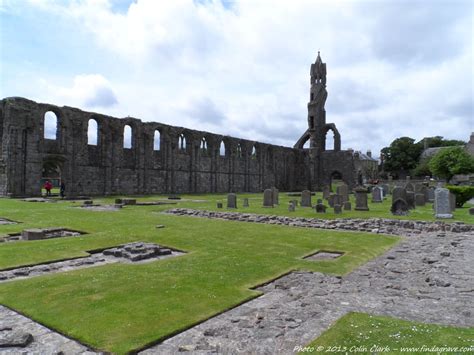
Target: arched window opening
column 127, row 137
column 92, row 132
column 157, row 141
column 204, row 144
column 330, row 140
column 254, row 152
column 50, row 125
column 182, row 142
column 239, row 151
column 222, row 149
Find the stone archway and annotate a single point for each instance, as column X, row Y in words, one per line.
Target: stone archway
column 52, row 169
column 335, row 179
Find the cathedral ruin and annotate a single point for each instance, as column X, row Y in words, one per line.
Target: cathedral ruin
column 160, row 158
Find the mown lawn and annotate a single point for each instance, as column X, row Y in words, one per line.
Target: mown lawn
column 120, row 308
column 365, row 334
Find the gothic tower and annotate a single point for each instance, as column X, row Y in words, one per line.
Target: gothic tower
column 317, row 100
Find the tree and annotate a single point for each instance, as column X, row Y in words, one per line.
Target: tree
column 451, row 161
column 439, row 141
column 401, row 155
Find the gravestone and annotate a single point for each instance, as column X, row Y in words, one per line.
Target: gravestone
column 347, row 206
column 452, row 201
column 399, row 192
column 343, row 191
column 231, row 200
column 326, row 192
column 419, row 199
column 424, row 191
column 431, row 194
column 471, row 211
column 386, row 189
column 246, row 202
column 331, row 200
column 219, row 204
column 337, row 209
column 275, row 196
column 291, row 207
column 399, row 207
column 268, row 198
column 410, row 199
column 320, row 208
column 306, row 198
column 418, row 187
column 361, row 199
column 377, row 194
column 441, row 204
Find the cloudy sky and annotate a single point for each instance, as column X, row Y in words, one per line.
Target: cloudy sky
column 395, row 68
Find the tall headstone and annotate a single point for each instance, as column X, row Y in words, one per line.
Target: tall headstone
column 431, row 194
column 275, row 196
column 361, row 199
column 377, row 194
column 418, row 187
column 343, row 190
column 326, row 192
column 419, row 199
column 410, row 199
column 231, row 200
column 331, row 199
column 452, row 201
column 306, row 198
column 347, row 206
column 246, row 202
column 337, row 209
column 399, row 192
column 441, row 204
column 409, row 187
column 386, row 189
column 268, row 198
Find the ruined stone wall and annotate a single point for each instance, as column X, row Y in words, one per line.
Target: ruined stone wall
column 108, row 168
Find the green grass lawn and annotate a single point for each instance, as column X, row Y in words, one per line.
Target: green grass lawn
column 120, row 308
column 363, row 333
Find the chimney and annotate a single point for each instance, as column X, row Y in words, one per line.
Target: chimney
column 369, row 154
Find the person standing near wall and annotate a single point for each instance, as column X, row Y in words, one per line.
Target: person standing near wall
column 62, row 189
column 48, row 186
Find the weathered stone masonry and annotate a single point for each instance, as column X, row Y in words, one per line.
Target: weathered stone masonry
column 107, row 167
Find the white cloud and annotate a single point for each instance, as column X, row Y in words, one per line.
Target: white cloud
column 89, row 91
column 393, row 70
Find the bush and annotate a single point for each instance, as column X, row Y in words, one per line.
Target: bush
column 451, row 161
column 463, row 194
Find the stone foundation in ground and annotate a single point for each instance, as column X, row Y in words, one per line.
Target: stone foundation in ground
column 131, row 252
column 373, row 225
column 426, row 278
